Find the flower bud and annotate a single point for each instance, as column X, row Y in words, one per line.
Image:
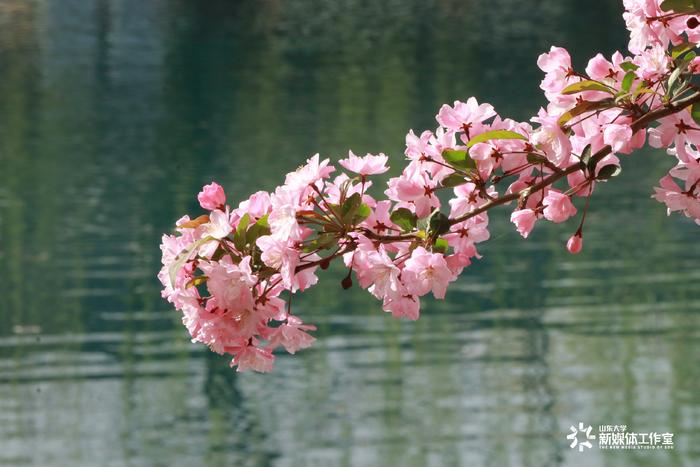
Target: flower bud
column 212, row 197
column 325, row 262
column 347, row 282
column 575, row 243
column 692, row 23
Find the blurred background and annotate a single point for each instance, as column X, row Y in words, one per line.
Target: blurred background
column 114, row 113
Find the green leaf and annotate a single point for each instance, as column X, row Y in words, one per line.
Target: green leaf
column 196, row 281
column 628, row 66
column 672, row 80
column 353, row 211
column 586, row 85
column 586, row 154
column 362, row 213
column 679, row 6
column 695, row 112
column 494, row 134
column 183, row 257
column 680, row 49
column 257, row 230
column 608, row 171
column 453, row 180
column 440, row 246
column 239, row 240
column 627, row 82
column 438, row 224
column 458, row 159
column 583, row 107
column 642, row 90
column 349, row 208
column 404, row 218
column 324, row 241
column 533, row 158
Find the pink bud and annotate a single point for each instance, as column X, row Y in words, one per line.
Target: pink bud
column 212, row 196
column 575, row 244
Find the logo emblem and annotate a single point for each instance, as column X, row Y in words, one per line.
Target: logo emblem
column 580, row 437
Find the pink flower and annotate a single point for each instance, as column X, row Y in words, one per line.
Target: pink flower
column 414, row 186
column 308, row 174
column 557, row 206
column 676, row 200
column 253, row 358
column 219, row 224
column 291, row 335
column 278, row 254
column 402, row 305
column 464, row 115
column 679, row 130
column 575, row 244
column 230, row 283
column 367, row 165
column 556, row 65
column 379, row 220
column 617, row 136
column 524, row 220
column 256, row 206
column 551, row 139
column 384, row 274
column 283, row 215
column 653, row 63
column 425, row 272
column 212, row 197
column 600, row 69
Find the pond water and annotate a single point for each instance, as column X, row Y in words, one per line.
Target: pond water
column 113, row 114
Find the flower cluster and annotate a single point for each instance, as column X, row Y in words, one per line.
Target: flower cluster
column 232, row 271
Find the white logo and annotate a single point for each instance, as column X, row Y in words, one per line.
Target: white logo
column 574, row 437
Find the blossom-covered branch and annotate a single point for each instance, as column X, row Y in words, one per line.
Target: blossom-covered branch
column 233, row 270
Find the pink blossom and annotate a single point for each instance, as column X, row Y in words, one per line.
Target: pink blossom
column 599, row 68
column 617, row 136
column 283, row 216
column 379, row 220
column 677, row 200
column 575, row 244
column 308, row 174
column 653, row 63
column 557, row 206
column 212, row 197
column 414, row 186
column 556, row 64
column 551, row 139
column 402, row 305
column 679, row 130
column 425, row 272
column 219, row 224
column 257, row 205
column 230, row 283
column 292, row 336
column 462, row 116
column 383, row 272
column 279, row 254
column 524, row 220
column 253, row 358
column 367, row 165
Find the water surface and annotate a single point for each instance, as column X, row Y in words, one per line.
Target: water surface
column 114, row 113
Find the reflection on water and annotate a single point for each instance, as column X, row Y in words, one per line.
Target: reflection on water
column 114, row 113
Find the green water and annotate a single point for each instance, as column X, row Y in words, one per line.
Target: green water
column 114, row 113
